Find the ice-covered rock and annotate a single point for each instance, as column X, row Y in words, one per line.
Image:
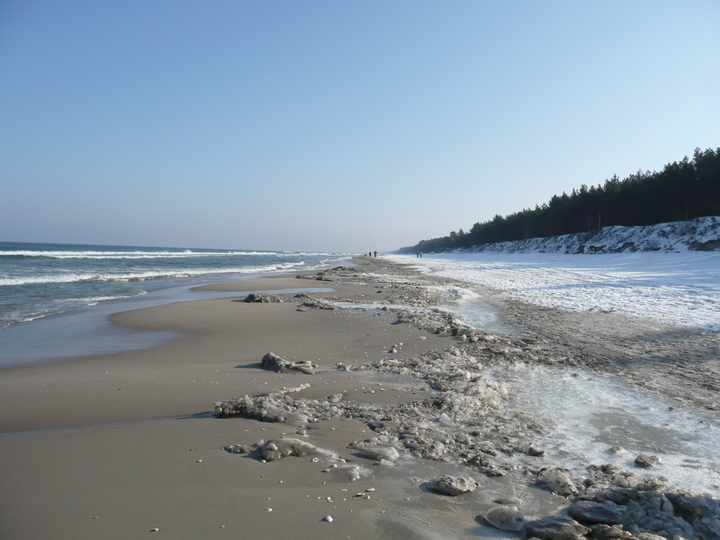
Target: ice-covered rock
column 558, row 482
column 649, row 536
column 273, row 362
column 606, row 512
column 606, row 532
column 646, row 462
column 317, row 303
column 387, row 453
column 239, row 448
column 454, row 485
column 505, row 518
column 556, row 528
column 350, row 473
column 531, row 449
column 284, row 447
column 262, row 298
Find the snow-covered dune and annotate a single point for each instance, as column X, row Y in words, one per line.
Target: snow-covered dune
column 645, row 272
column 702, row 234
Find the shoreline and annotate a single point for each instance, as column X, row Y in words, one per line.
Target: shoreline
column 88, row 331
column 127, row 475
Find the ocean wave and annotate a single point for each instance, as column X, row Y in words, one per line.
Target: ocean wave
column 127, row 254
column 309, row 254
column 89, row 277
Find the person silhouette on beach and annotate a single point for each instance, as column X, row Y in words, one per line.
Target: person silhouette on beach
column 376, row 253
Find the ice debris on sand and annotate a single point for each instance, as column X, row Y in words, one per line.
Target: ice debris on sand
column 556, row 528
column 379, row 453
column 505, row 518
column 280, row 448
column 309, row 301
column 454, row 485
column 350, row 473
column 466, row 419
column 262, row 298
column 273, row 362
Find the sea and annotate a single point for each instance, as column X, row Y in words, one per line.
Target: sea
column 45, row 289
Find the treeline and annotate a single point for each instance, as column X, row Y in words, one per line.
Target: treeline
column 682, row 191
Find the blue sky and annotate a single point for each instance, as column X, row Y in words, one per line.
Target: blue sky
column 335, row 126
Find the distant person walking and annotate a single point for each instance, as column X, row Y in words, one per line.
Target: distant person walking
column 376, row 253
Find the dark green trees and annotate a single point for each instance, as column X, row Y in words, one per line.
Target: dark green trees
column 682, row 191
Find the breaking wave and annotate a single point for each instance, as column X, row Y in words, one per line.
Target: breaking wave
column 89, row 277
column 97, row 255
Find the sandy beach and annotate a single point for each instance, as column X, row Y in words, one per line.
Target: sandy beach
column 129, row 445
column 116, row 446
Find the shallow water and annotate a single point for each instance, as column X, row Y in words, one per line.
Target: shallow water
column 88, row 331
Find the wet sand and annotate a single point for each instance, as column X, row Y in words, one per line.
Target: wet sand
column 117, row 445
column 127, row 445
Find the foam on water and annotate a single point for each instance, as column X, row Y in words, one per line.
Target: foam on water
column 37, row 280
column 71, row 277
column 59, row 254
column 587, row 413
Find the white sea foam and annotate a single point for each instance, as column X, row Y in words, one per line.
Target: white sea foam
column 128, row 254
column 85, row 277
column 336, row 256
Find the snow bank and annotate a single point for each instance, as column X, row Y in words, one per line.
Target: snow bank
column 702, row 234
column 675, row 288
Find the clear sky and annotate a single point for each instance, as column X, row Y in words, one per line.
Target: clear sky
column 335, row 125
